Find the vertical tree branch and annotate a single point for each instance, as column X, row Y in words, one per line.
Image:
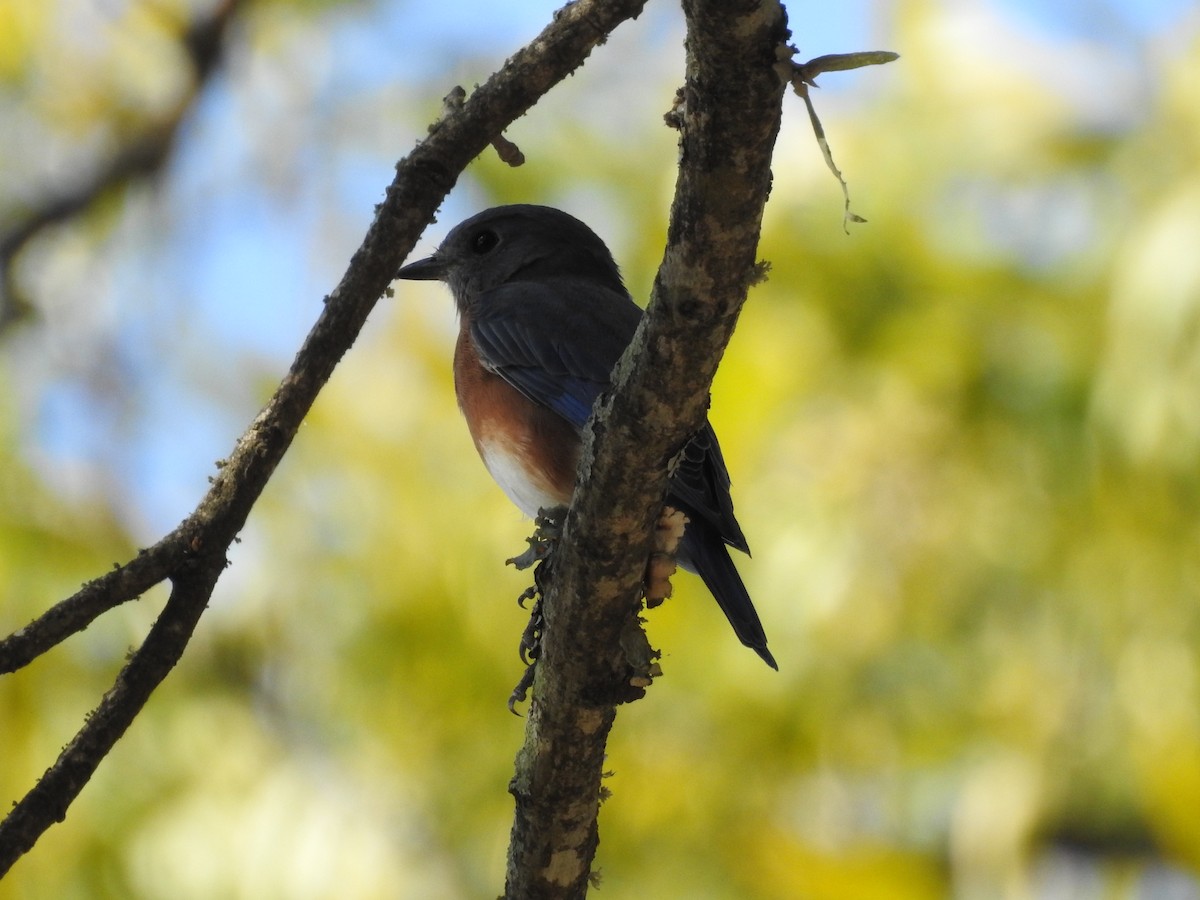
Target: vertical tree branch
column 729, row 113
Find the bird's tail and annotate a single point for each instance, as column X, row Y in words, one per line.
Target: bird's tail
column 703, row 552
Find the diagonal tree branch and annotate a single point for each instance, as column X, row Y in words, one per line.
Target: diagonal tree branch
column 729, row 113
column 50, row 798
column 193, row 555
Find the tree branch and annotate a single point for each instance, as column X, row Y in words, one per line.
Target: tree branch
column 728, row 113
column 50, row 798
column 199, row 544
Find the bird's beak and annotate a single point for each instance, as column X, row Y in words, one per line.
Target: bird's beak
column 431, row 268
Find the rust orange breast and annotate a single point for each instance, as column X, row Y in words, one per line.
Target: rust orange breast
column 530, row 451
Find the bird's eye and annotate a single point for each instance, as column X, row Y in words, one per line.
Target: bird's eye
column 484, row 241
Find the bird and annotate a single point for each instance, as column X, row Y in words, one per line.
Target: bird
column 544, row 316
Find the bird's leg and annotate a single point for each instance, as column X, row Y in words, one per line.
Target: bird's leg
column 547, row 531
column 531, row 638
column 657, row 585
column 530, row 647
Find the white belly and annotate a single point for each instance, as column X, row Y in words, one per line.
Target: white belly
column 522, row 486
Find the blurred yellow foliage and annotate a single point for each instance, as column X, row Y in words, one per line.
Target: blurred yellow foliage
column 964, row 443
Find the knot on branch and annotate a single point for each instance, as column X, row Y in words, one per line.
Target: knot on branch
column 453, row 103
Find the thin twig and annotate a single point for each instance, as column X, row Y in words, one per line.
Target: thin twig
column 802, row 76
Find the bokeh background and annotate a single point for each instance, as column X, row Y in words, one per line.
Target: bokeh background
column 965, row 442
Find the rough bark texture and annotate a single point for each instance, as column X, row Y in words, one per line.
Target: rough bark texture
column 192, row 556
column 729, row 119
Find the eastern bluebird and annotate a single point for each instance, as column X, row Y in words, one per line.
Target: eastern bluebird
column 544, row 317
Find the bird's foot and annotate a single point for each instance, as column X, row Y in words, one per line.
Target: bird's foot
column 521, row 691
column 539, row 555
column 530, row 647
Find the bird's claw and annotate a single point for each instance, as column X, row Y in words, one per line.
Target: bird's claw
column 548, row 529
column 521, row 691
column 530, row 649
column 531, row 638
column 530, row 593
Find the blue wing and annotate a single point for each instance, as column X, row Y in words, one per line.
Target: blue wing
column 556, row 341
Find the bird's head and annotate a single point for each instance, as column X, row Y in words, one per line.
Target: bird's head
column 508, row 244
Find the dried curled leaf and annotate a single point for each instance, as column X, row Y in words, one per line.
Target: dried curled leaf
column 843, row 62
column 801, row 76
column 819, row 131
column 508, row 152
